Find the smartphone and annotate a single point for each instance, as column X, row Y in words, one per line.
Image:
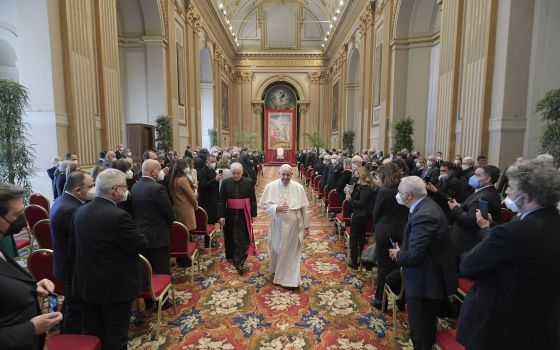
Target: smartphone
column 220, row 171
column 483, row 206
column 53, row 302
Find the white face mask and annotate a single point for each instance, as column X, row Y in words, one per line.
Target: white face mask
column 443, row 177
column 187, row 170
column 399, row 198
column 325, row 162
column 439, row 158
column 512, row 204
column 212, row 165
column 129, row 174
column 161, row 175
column 125, row 197
column 457, row 162
column 354, row 166
column 430, row 163
column 419, row 165
column 465, row 166
column 90, row 195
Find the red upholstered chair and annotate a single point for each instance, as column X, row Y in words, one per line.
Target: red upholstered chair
column 42, row 234
column 33, row 214
column 315, row 188
column 342, row 219
column 325, row 197
column 72, row 342
column 159, row 290
column 334, row 205
column 40, row 264
column 464, row 286
column 203, row 228
column 180, row 245
column 40, row 200
column 445, row 340
column 507, row 215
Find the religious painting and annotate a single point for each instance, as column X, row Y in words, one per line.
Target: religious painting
column 336, row 90
column 280, row 97
column 280, row 130
column 377, row 77
column 224, row 105
column 181, row 73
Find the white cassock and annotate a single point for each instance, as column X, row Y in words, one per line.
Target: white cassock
column 285, row 233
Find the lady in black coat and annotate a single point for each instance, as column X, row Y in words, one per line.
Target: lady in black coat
column 389, row 218
column 361, row 200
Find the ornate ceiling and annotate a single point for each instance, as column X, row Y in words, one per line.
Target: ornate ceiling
column 280, row 25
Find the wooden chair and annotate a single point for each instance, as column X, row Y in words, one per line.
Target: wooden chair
column 40, row 200
column 180, row 246
column 203, row 228
column 41, row 233
column 390, row 295
column 40, row 263
column 72, row 342
column 158, row 290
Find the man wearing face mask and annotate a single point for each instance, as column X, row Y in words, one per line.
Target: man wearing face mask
column 79, row 188
column 465, row 233
column 51, row 171
column 208, row 190
column 428, row 266
column 105, row 243
column 22, row 326
column 153, row 214
column 515, row 302
column 335, row 171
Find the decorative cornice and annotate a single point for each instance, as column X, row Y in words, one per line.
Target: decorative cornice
column 366, row 18
column 245, row 77
column 279, row 54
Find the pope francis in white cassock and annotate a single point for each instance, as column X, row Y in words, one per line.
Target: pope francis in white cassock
column 286, row 204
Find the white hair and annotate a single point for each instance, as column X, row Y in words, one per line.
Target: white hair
column 468, row 159
column 285, row 166
column 327, row 156
column 414, row 185
column 357, row 159
column 386, row 161
column 106, row 180
column 546, row 158
column 237, row 166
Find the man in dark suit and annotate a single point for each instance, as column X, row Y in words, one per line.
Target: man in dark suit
column 22, row 326
column 153, row 214
column 208, row 189
column 431, row 171
column 334, row 172
column 465, row 233
column 106, row 244
column 51, row 171
column 448, row 186
column 467, row 170
column 79, row 188
column 515, row 301
column 428, row 264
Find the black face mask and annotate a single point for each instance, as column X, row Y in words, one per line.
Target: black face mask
column 15, row 226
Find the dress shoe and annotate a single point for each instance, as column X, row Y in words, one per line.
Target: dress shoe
column 377, row 304
column 353, row 266
column 239, row 269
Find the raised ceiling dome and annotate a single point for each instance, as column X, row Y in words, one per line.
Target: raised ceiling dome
column 279, row 25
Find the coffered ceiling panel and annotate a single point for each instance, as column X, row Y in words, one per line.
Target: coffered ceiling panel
column 261, row 25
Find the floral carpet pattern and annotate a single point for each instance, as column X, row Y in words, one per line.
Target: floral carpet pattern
column 222, row 310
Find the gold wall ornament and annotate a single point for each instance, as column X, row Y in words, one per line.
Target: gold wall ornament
column 193, row 19
column 257, row 108
column 366, row 18
column 314, row 77
column 245, row 77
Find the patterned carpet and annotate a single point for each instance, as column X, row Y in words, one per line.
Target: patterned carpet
column 223, row 310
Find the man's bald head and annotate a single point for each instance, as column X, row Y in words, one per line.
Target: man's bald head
column 151, row 168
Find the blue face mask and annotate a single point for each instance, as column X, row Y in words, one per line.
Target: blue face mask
column 474, row 181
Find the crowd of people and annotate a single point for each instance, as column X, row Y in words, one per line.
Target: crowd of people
column 434, row 219
column 438, row 220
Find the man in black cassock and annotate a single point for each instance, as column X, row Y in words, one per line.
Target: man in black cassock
column 237, row 209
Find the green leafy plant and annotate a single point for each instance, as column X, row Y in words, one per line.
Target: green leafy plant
column 213, row 135
column 549, row 109
column 315, row 140
column 348, row 137
column 164, row 133
column 16, row 154
column 246, row 139
column 402, row 134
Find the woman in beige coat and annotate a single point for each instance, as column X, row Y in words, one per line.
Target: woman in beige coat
column 182, row 190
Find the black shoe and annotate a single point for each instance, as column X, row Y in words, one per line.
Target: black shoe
column 377, row 304
column 353, row 266
column 401, row 303
column 239, row 269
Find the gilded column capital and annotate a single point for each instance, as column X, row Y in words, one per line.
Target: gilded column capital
column 314, row 77
column 245, row 77
column 193, row 19
column 257, row 108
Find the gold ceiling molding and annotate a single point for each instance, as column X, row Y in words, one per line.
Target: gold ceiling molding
column 282, row 54
column 278, row 63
